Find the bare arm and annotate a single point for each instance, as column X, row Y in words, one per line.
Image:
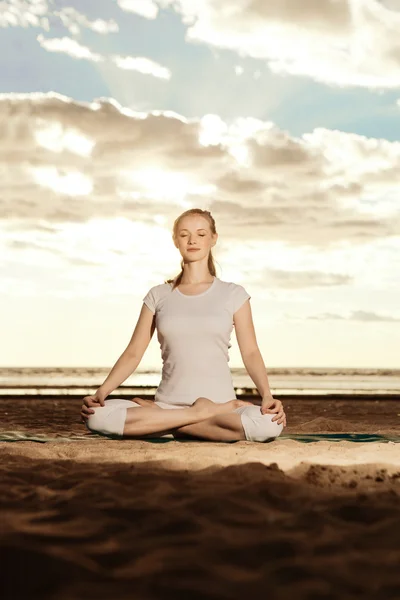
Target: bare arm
column 251, row 355
column 123, row 368
column 132, row 355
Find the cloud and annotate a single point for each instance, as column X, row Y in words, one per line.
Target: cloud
column 308, row 191
column 24, row 13
column 73, row 20
column 89, row 192
column 36, row 13
column 142, row 65
column 391, row 4
column 344, row 43
column 144, row 8
column 356, row 315
column 280, row 278
column 68, row 46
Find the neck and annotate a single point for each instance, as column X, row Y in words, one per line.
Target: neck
column 195, row 273
column 186, row 281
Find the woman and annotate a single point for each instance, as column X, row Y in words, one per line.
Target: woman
column 194, row 314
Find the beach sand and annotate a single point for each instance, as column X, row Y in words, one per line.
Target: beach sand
column 104, row 518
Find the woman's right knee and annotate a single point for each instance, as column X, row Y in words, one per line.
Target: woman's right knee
column 107, row 421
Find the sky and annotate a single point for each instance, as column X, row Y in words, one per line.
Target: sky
column 282, row 118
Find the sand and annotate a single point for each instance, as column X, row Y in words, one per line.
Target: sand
column 102, row 518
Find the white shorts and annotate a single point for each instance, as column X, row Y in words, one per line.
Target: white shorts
column 110, row 420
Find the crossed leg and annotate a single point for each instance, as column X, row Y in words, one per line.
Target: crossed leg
column 220, row 428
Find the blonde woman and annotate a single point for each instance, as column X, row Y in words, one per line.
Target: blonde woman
column 194, row 314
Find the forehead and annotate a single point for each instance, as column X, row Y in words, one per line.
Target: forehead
column 185, row 229
column 193, row 225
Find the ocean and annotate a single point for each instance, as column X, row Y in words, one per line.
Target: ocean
column 81, row 381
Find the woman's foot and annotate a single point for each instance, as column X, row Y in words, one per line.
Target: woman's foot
column 146, row 403
column 204, row 407
column 207, row 408
column 227, row 407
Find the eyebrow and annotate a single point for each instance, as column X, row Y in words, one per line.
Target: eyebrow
column 200, row 229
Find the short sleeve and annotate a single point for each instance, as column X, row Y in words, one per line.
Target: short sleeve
column 150, row 300
column 239, row 296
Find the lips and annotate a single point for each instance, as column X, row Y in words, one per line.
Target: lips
column 193, row 249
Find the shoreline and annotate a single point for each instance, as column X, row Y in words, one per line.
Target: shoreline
column 250, row 396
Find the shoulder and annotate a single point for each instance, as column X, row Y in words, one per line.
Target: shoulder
column 160, row 290
column 227, row 285
column 155, row 294
column 162, row 287
column 232, row 287
column 237, row 295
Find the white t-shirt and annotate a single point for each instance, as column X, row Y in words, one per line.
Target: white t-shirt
column 194, row 335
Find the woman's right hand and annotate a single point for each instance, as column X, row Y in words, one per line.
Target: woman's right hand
column 90, row 402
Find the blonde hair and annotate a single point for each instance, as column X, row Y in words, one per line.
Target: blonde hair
column 211, row 264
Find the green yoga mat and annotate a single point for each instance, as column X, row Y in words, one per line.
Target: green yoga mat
column 15, row 436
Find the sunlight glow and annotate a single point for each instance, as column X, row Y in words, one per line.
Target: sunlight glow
column 73, row 183
column 162, row 185
column 212, row 127
column 53, row 137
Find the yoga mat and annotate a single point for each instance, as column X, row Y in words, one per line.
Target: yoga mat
column 15, row 436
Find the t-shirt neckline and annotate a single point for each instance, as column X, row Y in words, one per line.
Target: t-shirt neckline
column 197, row 295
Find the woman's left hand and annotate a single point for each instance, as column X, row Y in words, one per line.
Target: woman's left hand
column 272, row 405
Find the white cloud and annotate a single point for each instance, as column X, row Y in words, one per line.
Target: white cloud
column 68, row 46
column 391, row 4
column 57, row 139
column 36, row 13
column 73, row 20
column 144, row 8
column 142, row 65
column 337, row 42
column 73, row 48
column 70, row 183
column 321, row 189
column 24, row 13
column 357, row 315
